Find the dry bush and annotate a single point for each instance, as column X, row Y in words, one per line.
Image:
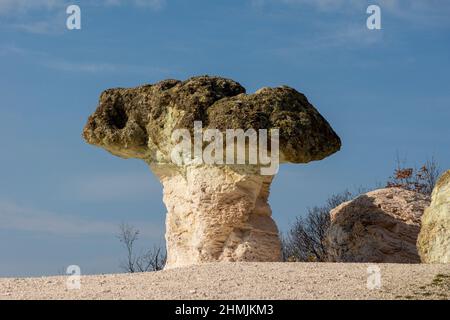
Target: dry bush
column 151, row 260
column 305, row 239
column 420, row 180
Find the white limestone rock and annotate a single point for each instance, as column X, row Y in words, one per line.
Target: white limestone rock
column 434, row 237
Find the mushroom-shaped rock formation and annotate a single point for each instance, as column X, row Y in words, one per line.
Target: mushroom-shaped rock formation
column 379, row 226
column 216, row 211
column 434, row 237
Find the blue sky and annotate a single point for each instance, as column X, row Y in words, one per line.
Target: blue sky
column 61, row 200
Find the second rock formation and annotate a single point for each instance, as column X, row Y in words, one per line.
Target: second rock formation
column 379, row 226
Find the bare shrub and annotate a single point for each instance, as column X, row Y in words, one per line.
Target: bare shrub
column 305, row 239
column 150, row 260
column 420, row 180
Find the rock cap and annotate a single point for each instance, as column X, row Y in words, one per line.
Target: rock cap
column 138, row 122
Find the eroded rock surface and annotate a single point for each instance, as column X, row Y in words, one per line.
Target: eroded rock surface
column 379, row 226
column 218, row 214
column 434, row 237
column 215, row 212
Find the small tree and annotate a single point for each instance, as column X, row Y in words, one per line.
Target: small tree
column 305, row 239
column 420, row 180
column 151, row 260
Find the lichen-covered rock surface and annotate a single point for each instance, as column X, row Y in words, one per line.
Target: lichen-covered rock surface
column 138, row 122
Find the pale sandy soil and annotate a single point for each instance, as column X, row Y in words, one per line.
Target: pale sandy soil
column 245, row 281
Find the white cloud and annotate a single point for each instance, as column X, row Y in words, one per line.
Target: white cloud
column 101, row 67
column 22, row 15
column 421, row 11
column 349, row 35
column 21, row 218
column 33, row 16
column 71, row 66
column 14, row 6
column 64, row 65
column 342, row 32
column 318, row 4
column 114, row 186
column 10, row 49
column 418, row 12
column 327, row 4
column 23, row 6
column 15, row 217
column 151, row 4
column 52, row 25
column 329, row 38
column 38, row 27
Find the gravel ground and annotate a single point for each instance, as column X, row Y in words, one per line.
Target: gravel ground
column 245, row 281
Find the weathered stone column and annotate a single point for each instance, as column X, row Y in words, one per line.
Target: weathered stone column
column 216, row 211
